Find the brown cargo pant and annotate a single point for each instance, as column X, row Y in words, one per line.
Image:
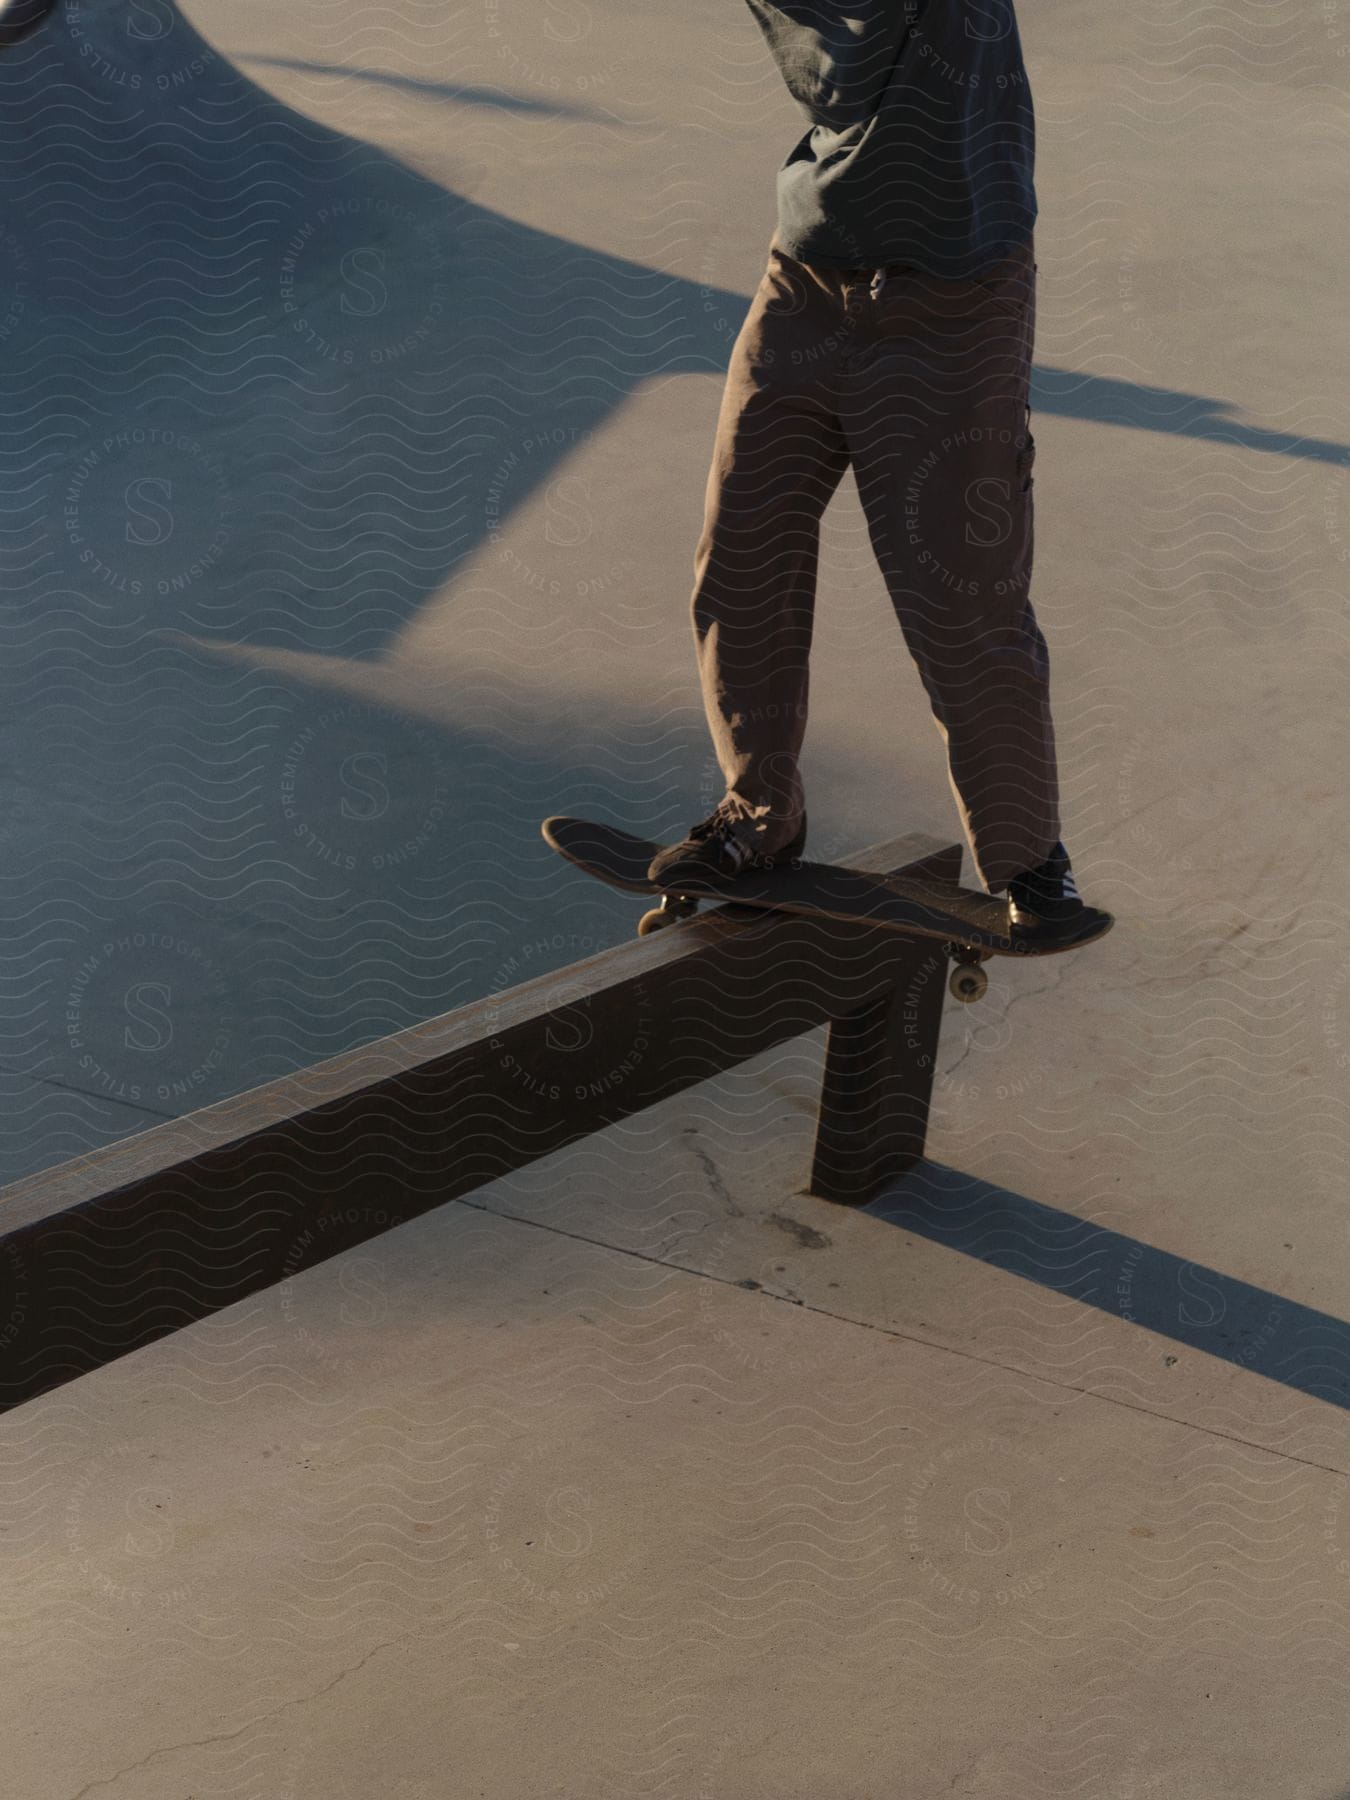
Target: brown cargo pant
column 922, row 385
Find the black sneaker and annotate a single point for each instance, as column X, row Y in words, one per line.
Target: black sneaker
column 719, row 849
column 1045, row 895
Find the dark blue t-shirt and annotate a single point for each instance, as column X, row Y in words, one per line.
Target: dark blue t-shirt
column 923, row 141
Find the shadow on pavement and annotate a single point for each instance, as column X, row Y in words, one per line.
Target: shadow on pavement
column 1199, row 1307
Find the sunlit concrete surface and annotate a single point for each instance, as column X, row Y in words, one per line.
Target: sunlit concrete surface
column 648, row 1475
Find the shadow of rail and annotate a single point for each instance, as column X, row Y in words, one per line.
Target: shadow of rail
column 1172, row 1296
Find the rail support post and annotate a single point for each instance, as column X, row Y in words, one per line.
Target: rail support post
column 878, row 1079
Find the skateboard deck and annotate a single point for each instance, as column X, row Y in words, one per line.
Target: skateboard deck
column 974, row 925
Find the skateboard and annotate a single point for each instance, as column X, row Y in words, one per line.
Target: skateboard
column 972, row 926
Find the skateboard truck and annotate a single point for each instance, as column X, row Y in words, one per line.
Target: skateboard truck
column 672, row 909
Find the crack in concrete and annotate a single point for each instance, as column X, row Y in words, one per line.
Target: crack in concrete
column 225, row 1737
column 1026, row 994
column 711, row 1173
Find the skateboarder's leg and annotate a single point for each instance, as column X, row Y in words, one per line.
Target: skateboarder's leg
column 778, row 457
column 937, row 418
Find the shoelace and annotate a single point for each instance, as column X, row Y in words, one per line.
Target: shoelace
column 716, row 825
column 719, row 826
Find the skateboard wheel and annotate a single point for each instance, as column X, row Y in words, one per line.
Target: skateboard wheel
column 968, row 982
column 670, row 912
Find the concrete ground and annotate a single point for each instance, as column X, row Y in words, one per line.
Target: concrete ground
column 644, row 1473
